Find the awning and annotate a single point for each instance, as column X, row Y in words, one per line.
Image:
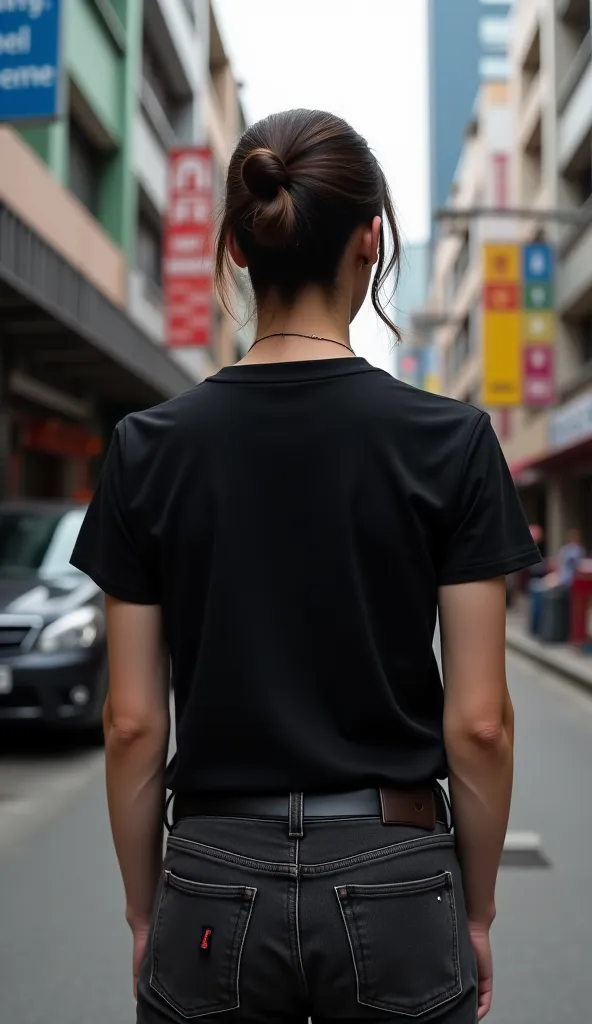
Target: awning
column 67, row 334
column 527, row 472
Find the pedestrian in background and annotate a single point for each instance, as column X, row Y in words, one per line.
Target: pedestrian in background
column 570, row 555
column 282, row 538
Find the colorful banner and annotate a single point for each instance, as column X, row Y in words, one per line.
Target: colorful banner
column 539, row 325
column 518, row 325
column 189, row 248
column 30, row 60
column 419, row 367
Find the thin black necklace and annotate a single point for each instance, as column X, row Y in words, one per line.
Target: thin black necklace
column 294, row 334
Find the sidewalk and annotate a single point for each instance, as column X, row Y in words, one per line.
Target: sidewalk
column 561, row 658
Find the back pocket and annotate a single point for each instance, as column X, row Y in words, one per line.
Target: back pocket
column 404, row 943
column 197, row 944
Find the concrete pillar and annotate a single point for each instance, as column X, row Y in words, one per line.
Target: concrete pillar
column 563, row 509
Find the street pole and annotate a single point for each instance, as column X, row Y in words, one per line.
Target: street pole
column 580, row 216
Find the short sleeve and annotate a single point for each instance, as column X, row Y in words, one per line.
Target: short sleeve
column 111, row 548
column 488, row 534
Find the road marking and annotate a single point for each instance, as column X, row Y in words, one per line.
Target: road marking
column 524, row 850
column 522, row 841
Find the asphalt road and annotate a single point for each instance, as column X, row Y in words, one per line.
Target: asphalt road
column 64, row 949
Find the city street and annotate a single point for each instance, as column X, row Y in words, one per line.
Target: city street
column 65, row 951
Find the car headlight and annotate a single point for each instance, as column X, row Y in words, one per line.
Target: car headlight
column 78, row 629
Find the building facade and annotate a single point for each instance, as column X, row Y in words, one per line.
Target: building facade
column 410, row 296
column 82, row 202
column 191, row 96
column 468, row 44
column 550, row 451
column 483, row 180
column 530, row 147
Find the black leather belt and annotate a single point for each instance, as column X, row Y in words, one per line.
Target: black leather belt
column 420, row 808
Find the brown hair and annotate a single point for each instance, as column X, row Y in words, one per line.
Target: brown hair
column 299, row 184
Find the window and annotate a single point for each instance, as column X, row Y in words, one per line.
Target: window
column 149, row 249
column 457, row 354
column 494, row 33
column 154, row 75
column 85, row 163
column 494, row 69
column 461, row 265
column 586, row 339
column 38, row 544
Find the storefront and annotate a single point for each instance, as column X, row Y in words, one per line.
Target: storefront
column 557, row 489
column 71, row 363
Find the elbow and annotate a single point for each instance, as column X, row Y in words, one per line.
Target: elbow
column 125, row 734
column 489, row 737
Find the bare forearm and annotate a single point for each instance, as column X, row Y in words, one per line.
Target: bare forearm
column 135, row 792
column 481, row 773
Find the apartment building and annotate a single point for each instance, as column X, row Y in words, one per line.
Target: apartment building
column 530, row 147
column 187, row 93
column 468, row 46
column 550, row 450
column 482, row 181
column 82, row 199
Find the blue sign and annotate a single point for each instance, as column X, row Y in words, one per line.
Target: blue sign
column 538, row 262
column 29, row 60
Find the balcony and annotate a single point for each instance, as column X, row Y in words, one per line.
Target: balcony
column 157, row 115
column 30, row 191
column 173, row 34
column 150, row 162
column 576, row 71
column 574, row 276
column 573, row 10
column 532, row 108
column 575, row 105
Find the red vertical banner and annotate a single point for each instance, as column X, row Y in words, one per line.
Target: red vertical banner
column 189, row 247
column 501, row 167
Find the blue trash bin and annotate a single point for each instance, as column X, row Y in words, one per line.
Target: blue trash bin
column 536, row 592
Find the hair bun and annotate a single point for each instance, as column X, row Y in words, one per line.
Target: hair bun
column 264, row 174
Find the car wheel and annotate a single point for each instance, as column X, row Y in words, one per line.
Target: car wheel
column 92, row 727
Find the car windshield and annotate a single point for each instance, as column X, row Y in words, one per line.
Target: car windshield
column 38, row 543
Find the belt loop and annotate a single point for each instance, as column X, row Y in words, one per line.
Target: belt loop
column 169, row 827
column 296, row 816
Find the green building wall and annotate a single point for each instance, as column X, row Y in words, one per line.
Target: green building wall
column 102, row 48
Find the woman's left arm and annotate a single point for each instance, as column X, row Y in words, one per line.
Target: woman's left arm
column 137, row 724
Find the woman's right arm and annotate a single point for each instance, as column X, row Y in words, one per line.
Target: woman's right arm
column 479, row 738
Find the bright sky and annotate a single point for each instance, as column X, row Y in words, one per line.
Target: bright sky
column 365, row 60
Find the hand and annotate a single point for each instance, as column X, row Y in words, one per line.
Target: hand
column 482, row 949
column 141, row 933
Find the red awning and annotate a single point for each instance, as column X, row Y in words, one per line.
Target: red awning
column 528, row 471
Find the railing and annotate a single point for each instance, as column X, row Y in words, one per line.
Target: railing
column 156, row 115
column 35, row 270
column 573, row 233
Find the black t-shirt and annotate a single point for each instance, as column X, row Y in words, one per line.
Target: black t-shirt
column 294, row 521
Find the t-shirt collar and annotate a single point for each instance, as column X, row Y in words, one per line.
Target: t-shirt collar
column 281, row 373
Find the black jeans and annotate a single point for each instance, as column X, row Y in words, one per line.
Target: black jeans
column 356, row 921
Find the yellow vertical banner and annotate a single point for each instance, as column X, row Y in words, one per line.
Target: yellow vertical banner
column 502, row 363
column 502, row 324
